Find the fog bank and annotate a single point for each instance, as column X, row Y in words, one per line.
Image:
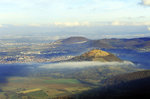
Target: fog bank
column 85, row 64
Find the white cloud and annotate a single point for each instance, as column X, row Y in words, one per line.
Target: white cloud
column 146, row 2
column 95, row 30
column 85, row 64
column 71, row 24
column 119, row 23
column 1, row 25
column 148, row 28
column 35, row 25
column 56, row 24
column 126, row 36
column 74, row 24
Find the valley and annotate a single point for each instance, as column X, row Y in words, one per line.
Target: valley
column 65, row 49
column 18, row 81
column 69, row 68
column 74, row 49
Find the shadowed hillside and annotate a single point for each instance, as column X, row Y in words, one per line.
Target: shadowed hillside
column 135, row 43
column 128, row 86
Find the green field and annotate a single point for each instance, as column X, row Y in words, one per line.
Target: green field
column 40, row 87
column 62, row 81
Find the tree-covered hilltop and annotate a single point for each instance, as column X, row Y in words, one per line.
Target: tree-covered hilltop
column 96, row 55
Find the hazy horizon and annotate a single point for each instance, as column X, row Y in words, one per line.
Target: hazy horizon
column 65, row 18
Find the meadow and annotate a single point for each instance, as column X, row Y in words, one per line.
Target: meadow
column 40, row 88
column 30, row 81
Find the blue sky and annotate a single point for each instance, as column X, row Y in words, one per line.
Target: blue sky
column 106, row 18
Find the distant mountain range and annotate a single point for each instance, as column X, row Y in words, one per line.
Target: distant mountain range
column 79, row 45
column 135, row 50
column 135, row 43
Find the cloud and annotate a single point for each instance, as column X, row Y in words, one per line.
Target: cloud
column 95, row 30
column 113, row 23
column 80, row 24
column 1, row 26
column 71, row 24
column 148, row 28
column 119, row 23
column 126, row 36
column 85, row 64
column 35, row 25
column 145, row 2
column 40, row 37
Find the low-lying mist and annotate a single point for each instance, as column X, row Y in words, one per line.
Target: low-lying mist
column 85, row 64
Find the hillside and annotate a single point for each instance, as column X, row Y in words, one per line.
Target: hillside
column 135, row 50
column 96, row 55
column 135, row 43
column 134, row 85
column 72, row 40
column 124, row 78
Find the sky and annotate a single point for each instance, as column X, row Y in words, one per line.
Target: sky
column 63, row 18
